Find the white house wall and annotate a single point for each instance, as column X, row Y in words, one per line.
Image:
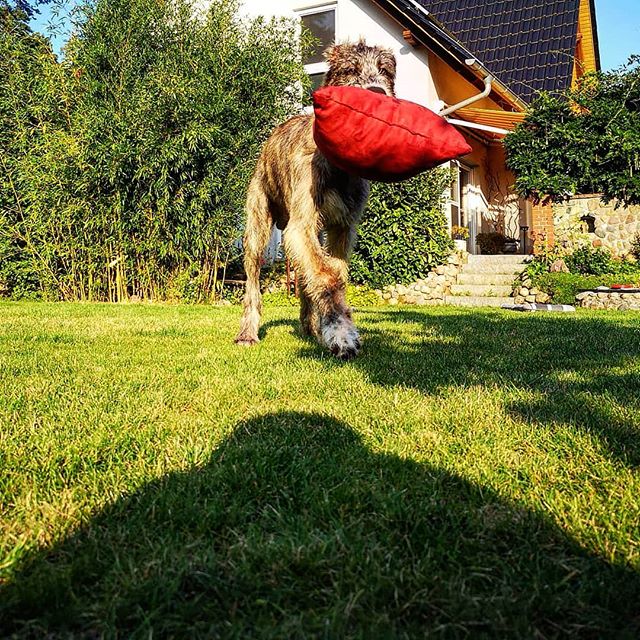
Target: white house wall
column 361, row 18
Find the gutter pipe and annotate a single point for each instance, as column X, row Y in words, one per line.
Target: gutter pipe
column 465, row 103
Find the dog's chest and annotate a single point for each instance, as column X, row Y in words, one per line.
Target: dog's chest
column 343, row 199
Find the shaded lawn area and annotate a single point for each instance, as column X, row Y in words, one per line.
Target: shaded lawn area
column 472, row 473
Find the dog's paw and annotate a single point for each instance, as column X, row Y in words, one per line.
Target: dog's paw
column 341, row 337
column 246, row 341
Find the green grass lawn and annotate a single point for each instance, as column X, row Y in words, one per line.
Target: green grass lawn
column 471, row 474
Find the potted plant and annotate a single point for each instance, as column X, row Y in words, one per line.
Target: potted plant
column 460, row 236
column 490, row 243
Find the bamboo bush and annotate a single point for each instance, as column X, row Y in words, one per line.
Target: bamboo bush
column 124, row 167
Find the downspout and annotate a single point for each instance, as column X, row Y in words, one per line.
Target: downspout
column 465, row 103
column 488, row 79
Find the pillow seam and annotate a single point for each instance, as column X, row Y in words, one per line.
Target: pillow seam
column 391, row 124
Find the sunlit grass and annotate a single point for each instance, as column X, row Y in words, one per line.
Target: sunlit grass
column 471, row 473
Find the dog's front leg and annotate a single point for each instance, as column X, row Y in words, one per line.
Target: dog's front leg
column 309, row 318
column 324, row 281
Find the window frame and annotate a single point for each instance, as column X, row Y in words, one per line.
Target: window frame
column 314, row 68
column 461, row 199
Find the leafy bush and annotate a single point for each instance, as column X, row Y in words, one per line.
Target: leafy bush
column 17, row 277
column 589, row 268
column 403, row 233
column 357, row 296
column 563, row 287
column 590, row 261
column 635, row 247
column 280, row 299
column 362, row 296
column 539, row 265
column 585, row 141
column 127, row 164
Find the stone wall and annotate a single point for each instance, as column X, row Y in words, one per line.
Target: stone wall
column 614, row 228
column 608, row 300
column 426, row 291
column 524, row 291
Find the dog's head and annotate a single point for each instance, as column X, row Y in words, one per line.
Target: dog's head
column 358, row 65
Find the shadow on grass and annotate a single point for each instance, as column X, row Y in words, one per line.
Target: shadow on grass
column 296, row 328
column 555, row 368
column 294, row 529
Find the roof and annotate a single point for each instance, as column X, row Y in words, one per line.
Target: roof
column 529, row 45
column 430, row 33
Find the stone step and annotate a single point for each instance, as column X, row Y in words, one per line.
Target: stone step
column 497, row 269
column 476, row 301
column 516, row 258
column 487, row 290
column 486, row 278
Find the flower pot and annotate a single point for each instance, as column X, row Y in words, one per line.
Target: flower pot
column 461, row 245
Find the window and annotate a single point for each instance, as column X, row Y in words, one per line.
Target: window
column 321, row 23
column 460, row 195
column 455, row 200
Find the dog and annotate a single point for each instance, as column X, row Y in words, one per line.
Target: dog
column 296, row 188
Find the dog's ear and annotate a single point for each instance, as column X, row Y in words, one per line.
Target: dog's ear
column 388, row 62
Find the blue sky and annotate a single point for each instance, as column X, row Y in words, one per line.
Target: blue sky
column 52, row 21
column 618, row 29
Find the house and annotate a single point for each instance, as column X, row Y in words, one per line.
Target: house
column 500, row 52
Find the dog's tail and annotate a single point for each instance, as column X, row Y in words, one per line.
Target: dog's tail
column 256, row 237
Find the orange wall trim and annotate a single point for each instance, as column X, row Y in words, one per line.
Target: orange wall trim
column 585, row 56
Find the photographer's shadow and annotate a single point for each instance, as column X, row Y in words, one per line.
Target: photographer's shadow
column 295, row 528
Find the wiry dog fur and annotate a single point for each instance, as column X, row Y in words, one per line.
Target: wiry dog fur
column 295, row 187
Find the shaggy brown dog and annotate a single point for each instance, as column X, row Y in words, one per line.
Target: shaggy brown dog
column 296, row 188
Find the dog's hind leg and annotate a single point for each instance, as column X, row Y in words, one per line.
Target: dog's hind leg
column 256, row 238
column 340, row 242
column 324, row 280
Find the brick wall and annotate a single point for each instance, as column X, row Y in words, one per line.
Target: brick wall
column 542, row 230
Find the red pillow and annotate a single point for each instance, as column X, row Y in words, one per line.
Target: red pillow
column 376, row 137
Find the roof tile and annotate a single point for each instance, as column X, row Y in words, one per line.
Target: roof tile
column 528, row 44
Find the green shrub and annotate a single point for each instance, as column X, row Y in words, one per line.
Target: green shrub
column 403, row 233
column 539, row 265
column 590, row 261
column 635, row 247
column 125, row 168
column 357, row 296
column 362, row 296
column 280, row 299
column 584, row 141
column 595, row 266
column 563, row 287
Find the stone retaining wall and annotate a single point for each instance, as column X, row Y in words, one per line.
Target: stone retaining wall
column 426, row 291
column 614, row 228
column 606, row 300
column 524, row 291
